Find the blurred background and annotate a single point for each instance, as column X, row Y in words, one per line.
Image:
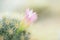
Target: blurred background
column 47, row 27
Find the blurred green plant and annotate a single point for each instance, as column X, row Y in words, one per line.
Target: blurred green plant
column 8, row 30
column 13, row 29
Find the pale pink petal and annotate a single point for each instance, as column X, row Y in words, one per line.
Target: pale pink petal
column 33, row 17
column 30, row 15
column 27, row 11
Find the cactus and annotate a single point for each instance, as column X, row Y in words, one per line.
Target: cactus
column 13, row 29
column 8, row 30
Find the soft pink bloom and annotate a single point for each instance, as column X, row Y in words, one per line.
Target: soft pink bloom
column 30, row 15
column 29, row 18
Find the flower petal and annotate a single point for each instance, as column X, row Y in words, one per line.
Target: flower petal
column 33, row 17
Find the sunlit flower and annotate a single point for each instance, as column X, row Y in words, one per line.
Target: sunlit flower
column 29, row 18
column 30, row 15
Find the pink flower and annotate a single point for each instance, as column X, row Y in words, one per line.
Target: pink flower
column 29, row 18
column 30, row 15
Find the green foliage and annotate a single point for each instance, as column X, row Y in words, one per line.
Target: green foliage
column 8, row 30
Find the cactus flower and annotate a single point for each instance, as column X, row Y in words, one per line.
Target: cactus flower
column 29, row 18
column 30, row 15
